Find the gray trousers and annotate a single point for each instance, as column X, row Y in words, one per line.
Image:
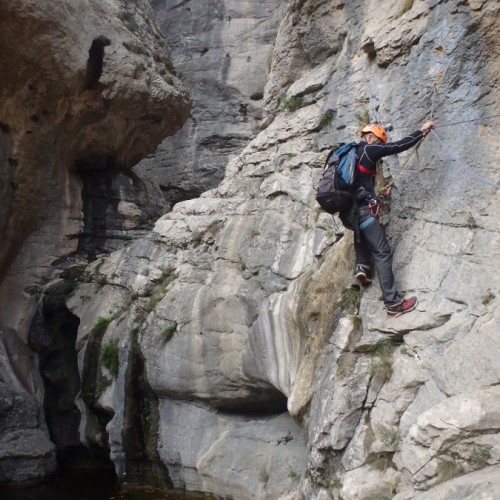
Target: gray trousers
column 373, row 242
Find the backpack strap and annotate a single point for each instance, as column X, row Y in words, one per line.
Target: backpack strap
column 365, row 170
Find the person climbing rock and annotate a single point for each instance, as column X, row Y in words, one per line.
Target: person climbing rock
column 370, row 240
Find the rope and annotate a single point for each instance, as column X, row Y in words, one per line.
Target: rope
column 466, row 167
column 459, row 122
column 383, row 190
column 467, row 121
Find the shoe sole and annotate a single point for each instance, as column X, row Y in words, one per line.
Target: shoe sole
column 362, row 280
column 398, row 314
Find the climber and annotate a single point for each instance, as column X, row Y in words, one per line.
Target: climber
column 371, row 240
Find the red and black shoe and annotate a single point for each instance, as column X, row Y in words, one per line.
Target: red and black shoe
column 362, row 275
column 405, row 306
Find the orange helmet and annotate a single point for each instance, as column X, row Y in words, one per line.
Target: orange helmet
column 377, row 130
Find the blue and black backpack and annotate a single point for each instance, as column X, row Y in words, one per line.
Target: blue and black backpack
column 335, row 191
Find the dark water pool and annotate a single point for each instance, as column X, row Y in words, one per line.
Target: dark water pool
column 94, row 487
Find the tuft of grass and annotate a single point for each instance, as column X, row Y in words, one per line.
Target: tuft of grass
column 363, row 116
column 327, row 119
column 381, row 368
column 264, row 473
column 240, row 261
column 381, row 463
column 479, row 455
column 34, row 291
column 357, row 321
column 317, row 213
column 382, row 358
column 109, row 357
column 487, row 297
column 101, row 325
column 153, row 302
column 290, row 104
column 168, row 332
column 351, row 297
column 292, row 474
column 101, row 386
column 389, row 437
column 335, row 484
column 383, row 348
column 448, row 469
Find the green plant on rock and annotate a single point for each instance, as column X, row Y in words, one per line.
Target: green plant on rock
column 335, row 484
column 351, row 297
column 86, row 277
column 109, row 357
column 381, row 463
column 363, row 116
column 264, row 473
column 448, row 469
column 101, row 386
column 168, row 332
column 357, row 321
column 241, row 263
column 327, row 119
column 382, row 358
column 389, row 437
column 34, row 291
column 100, row 326
column 290, row 104
column 292, row 474
column 253, row 232
column 479, row 455
column 381, row 368
column 317, row 213
column 487, row 297
column 153, row 302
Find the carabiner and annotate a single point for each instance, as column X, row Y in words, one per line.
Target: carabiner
column 374, row 206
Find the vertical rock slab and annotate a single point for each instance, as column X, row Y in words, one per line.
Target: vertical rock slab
column 223, row 51
column 93, row 83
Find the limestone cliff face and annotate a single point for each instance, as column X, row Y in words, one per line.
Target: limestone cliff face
column 223, row 51
column 239, row 355
column 87, row 90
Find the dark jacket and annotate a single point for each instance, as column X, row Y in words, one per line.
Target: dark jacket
column 369, row 154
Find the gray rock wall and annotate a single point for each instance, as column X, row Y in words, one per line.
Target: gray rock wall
column 248, row 283
column 222, row 50
column 273, row 379
column 83, row 83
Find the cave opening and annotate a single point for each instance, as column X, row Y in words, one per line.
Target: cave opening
column 118, row 206
column 141, row 425
column 101, row 223
column 95, row 62
column 52, row 336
